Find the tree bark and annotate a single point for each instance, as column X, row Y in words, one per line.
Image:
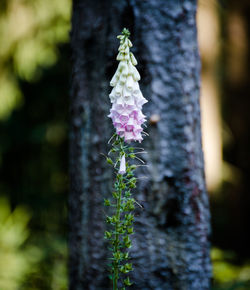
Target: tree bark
column 170, row 245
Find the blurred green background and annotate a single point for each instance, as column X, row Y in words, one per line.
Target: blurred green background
column 34, row 85
column 34, row 77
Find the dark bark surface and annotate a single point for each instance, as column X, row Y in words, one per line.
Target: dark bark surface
column 170, row 248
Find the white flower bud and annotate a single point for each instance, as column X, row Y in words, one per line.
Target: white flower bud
column 122, row 169
column 126, row 42
column 125, row 70
column 136, row 74
column 121, row 47
column 133, row 59
column 114, row 79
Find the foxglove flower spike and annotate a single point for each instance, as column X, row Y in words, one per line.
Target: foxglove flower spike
column 126, row 97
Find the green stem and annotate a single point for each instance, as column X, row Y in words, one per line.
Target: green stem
column 116, row 245
column 118, row 216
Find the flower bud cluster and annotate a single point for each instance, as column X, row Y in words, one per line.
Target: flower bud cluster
column 126, row 97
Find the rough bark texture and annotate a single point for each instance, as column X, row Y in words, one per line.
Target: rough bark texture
column 170, row 247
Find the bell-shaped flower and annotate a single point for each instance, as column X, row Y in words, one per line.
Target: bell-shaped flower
column 136, row 89
column 122, row 79
column 140, row 100
column 130, row 83
column 118, row 90
column 129, row 136
column 114, row 79
column 124, row 118
column 128, row 100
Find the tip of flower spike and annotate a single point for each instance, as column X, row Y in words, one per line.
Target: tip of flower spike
column 125, row 32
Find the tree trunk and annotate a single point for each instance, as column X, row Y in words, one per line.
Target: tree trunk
column 170, row 245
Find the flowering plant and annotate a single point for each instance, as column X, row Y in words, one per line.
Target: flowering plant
column 126, row 97
column 127, row 117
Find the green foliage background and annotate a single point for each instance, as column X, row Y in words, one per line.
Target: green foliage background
column 34, row 73
column 34, row 76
